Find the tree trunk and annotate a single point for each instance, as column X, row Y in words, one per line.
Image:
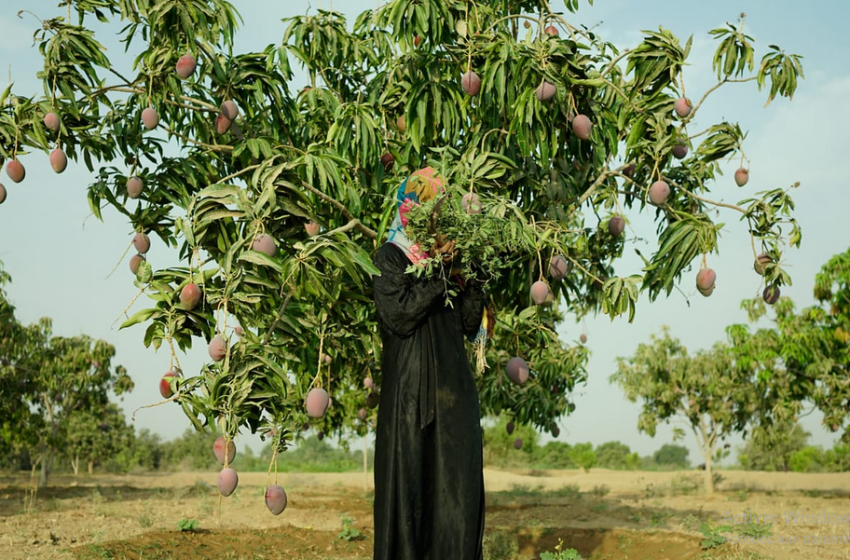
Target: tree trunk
column 91, row 467
column 365, row 462
column 75, row 464
column 46, row 464
column 47, row 451
column 709, row 476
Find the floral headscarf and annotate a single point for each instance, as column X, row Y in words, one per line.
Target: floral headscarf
column 422, row 186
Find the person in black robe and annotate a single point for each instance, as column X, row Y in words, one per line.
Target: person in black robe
column 429, row 483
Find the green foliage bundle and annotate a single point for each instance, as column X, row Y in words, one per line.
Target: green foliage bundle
column 487, row 242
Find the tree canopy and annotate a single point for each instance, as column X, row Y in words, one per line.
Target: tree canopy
column 275, row 194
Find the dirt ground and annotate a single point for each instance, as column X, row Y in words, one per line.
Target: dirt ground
column 604, row 515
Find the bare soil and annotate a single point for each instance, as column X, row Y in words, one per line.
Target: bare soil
column 604, row 515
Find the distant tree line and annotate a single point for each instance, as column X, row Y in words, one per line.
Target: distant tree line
column 108, row 444
column 772, row 454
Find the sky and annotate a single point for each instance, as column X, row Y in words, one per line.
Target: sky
column 68, row 266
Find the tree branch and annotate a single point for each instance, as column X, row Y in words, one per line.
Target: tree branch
column 575, row 262
column 339, row 206
column 711, row 90
column 214, row 148
column 599, row 180
column 280, row 311
column 347, row 227
column 507, row 18
column 689, row 193
column 129, row 88
column 614, row 61
column 565, row 23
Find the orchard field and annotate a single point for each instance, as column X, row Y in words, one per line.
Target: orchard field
column 603, row 514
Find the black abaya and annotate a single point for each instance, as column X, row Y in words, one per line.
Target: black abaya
column 429, row 484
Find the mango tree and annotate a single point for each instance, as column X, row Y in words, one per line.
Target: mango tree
column 275, row 193
column 804, row 356
column 705, row 392
column 61, row 375
column 95, row 436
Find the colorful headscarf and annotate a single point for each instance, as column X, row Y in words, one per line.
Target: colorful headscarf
column 422, row 186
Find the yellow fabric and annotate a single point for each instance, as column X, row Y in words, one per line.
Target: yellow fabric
column 425, row 184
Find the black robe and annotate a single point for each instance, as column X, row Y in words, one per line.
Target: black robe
column 429, row 483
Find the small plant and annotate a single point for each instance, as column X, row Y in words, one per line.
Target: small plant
column 754, row 528
column 500, row 545
column 146, row 519
column 561, row 554
column 97, row 497
column 349, row 532
column 187, row 525
column 205, row 506
column 658, row 518
column 714, row 536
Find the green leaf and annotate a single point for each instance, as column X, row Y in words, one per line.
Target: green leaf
column 261, row 259
column 139, row 317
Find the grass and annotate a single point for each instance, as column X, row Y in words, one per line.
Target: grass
column 146, row 519
column 600, row 490
column 736, row 555
column 567, row 491
column 95, row 552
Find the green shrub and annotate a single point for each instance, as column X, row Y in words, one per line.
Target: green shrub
column 500, row 545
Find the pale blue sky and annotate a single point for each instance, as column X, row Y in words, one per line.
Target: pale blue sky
column 60, row 261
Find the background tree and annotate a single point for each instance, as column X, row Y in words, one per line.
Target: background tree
column 148, row 450
column 837, row 459
column 275, row 204
column 61, row 376
column 193, row 451
column 616, row 455
column 707, row 392
column 773, row 453
column 671, row 455
column 97, row 435
column 45, row 379
column 583, row 456
column 803, row 358
column 500, row 441
column 554, row 455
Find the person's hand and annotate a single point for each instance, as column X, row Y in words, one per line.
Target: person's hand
column 447, row 251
